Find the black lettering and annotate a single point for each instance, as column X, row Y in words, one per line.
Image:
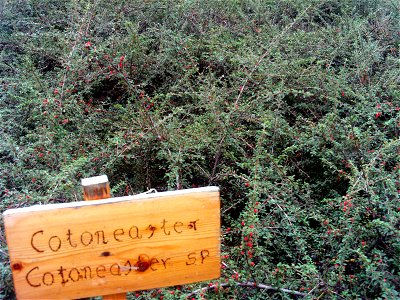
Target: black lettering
column 78, row 275
column 204, row 254
column 152, row 229
column 58, row 243
column 84, row 241
column 99, row 269
column 164, row 227
column 128, row 267
column 85, row 270
column 32, row 244
column 61, row 273
column 192, row 259
column 165, row 262
column 69, row 233
column 27, row 276
column 180, row 224
column 153, row 261
column 118, row 232
column 137, row 236
column 103, row 238
column 113, row 266
column 44, row 279
column 192, row 225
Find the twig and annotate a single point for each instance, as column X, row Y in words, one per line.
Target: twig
column 261, row 58
column 250, row 285
column 312, row 290
column 75, row 44
column 287, row 217
column 3, row 253
column 217, row 156
column 243, row 86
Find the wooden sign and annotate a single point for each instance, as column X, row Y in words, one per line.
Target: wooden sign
column 83, row 249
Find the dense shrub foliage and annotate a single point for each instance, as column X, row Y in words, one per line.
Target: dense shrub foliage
column 290, row 107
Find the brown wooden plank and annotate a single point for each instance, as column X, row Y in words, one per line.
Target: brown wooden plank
column 121, row 296
column 116, row 245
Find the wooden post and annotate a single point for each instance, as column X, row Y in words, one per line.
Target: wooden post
column 96, row 188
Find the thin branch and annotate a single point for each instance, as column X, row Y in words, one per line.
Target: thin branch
column 261, row 58
column 247, row 284
column 80, row 35
column 217, row 156
column 287, row 217
column 313, row 289
column 274, row 42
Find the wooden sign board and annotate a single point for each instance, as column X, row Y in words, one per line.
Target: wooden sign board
column 83, row 249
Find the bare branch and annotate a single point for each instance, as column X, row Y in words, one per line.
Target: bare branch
column 250, row 285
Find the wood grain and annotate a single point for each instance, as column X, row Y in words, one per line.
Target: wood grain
column 115, row 245
column 96, row 188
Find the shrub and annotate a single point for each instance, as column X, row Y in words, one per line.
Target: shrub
column 290, row 107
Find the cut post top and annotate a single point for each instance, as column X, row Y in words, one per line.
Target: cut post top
column 94, row 180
